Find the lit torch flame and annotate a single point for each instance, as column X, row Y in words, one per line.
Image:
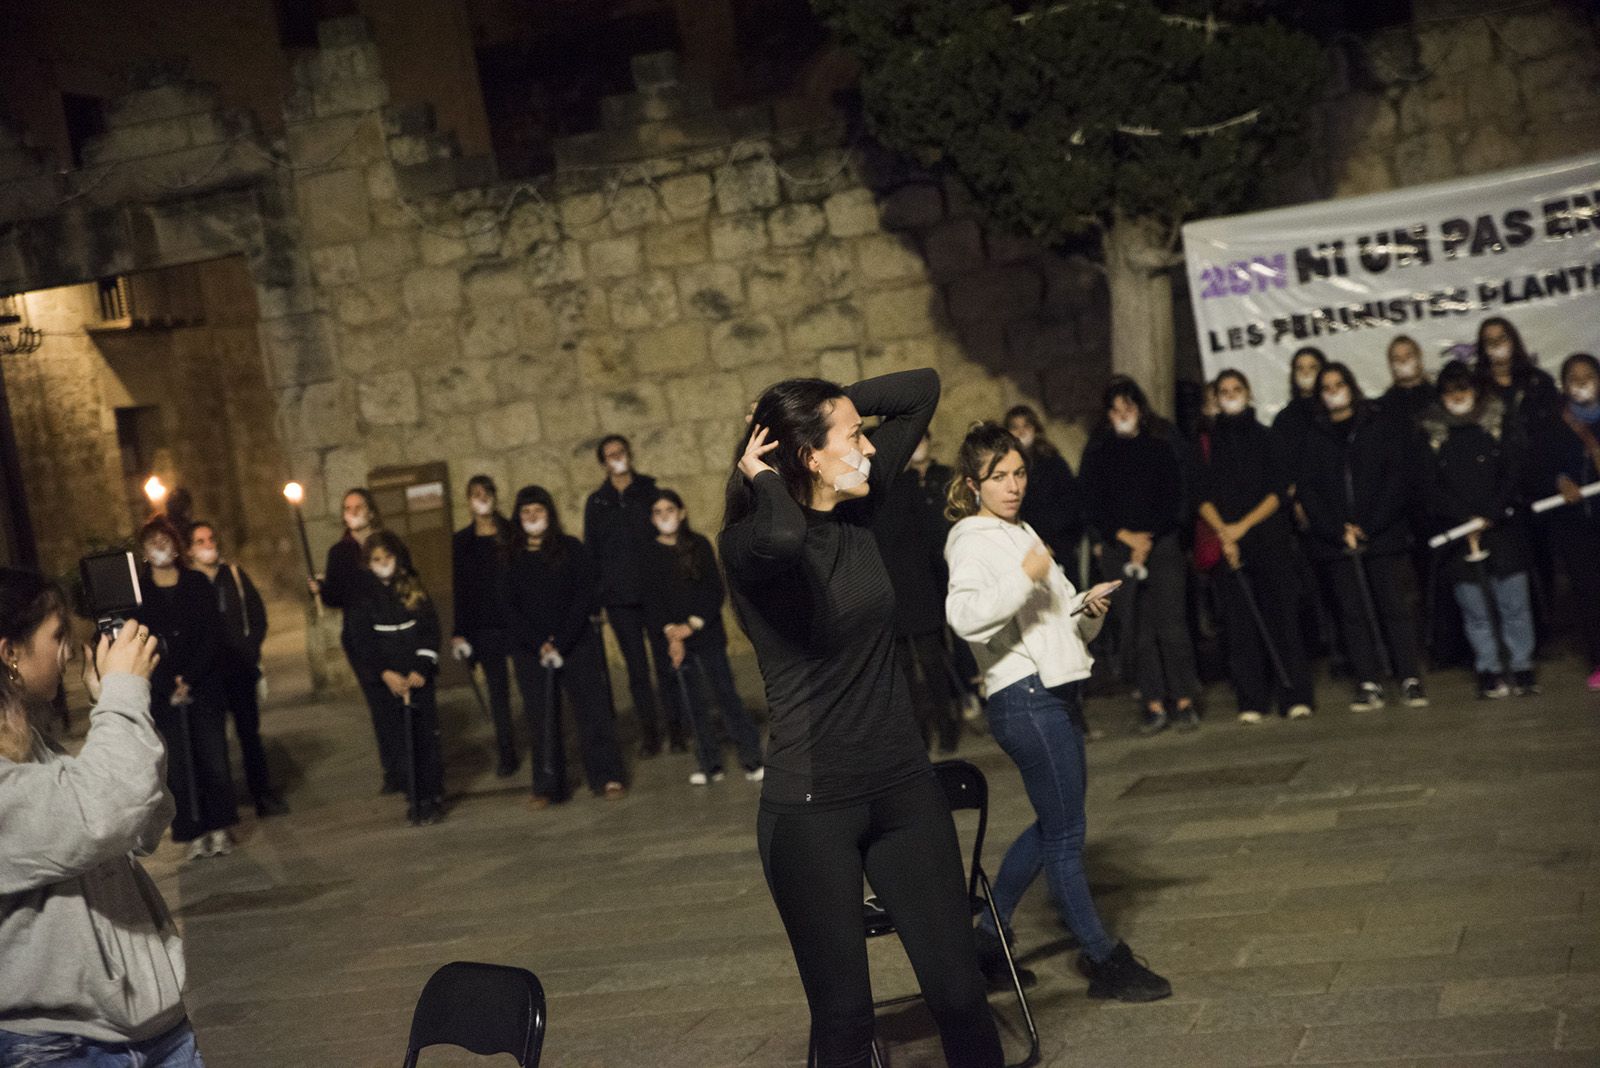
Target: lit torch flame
column 156, row 490
column 294, row 493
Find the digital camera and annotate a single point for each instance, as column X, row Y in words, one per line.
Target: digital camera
column 111, row 589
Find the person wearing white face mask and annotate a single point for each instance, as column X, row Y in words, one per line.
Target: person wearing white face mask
column 180, row 608
column 244, row 616
column 553, row 589
column 1054, row 504
column 482, row 631
column 616, row 527
column 1134, row 489
column 683, row 597
column 1475, row 460
column 1505, row 368
column 1411, row 394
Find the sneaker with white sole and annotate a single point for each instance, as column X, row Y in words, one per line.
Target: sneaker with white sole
column 1368, row 698
column 221, row 843
column 1251, row 717
column 698, row 779
column 199, row 848
column 755, row 774
column 1415, row 696
column 718, row 776
column 1299, row 712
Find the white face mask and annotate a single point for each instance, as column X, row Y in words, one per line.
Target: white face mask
column 619, row 466
column 667, row 524
column 535, row 527
column 1407, row 370
column 1024, row 438
column 1305, row 382
column 920, row 453
column 384, row 571
column 1337, row 402
column 1232, row 405
column 1125, row 428
column 206, row 556
column 160, row 557
column 481, row 506
column 1499, row 352
column 1459, row 408
column 860, row 466
column 1584, row 394
column 357, row 522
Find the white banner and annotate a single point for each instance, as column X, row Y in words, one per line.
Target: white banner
column 1430, row 262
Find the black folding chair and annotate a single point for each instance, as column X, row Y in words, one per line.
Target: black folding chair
column 484, row 1008
column 966, row 789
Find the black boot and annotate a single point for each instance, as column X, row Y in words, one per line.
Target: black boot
column 1123, row 976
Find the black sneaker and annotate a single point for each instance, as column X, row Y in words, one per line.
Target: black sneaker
column 430, row 813
column 507, row 767
column 269, row 805
column 1368, row 698
column 1491, row 687
column 649, row 749
column 1124, row 977
column 1523, row 685
column 1187, row 719
column 992, row 962
column 390, row 787
column 1414, row 694
column 1154, row 722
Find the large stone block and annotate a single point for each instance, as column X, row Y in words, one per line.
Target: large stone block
column 711, row 290
column 671, row 350
column 494, row 284
column 427, row 342
column 508, row 426
column 384, row 255
column 605, row 359
column 741, row 342
column 903, row 312
column 839, row 365
column 748, row 186
column 335, row 265
column 672, row 451
column 796, row 224
column 998, row 293
column 368, row 303
column 615, row 257
column 489, row 331
column 852, row 213
column 466, row 388
column 531, row 223
column 634, row 207
column 738, row 236
column 554, row 263
column 889, row 257
column 677, row 245
column 628, row 410
column 644, row 302
column 954, row 249
column 824, row 326
column 913, row 207
column 438, row 249
column 706, row 396
column 432, row 291
column 885, row 357
column 327, row 415
column 585, row 216
column 535, row 375
column 568, row 418
column 687, row 196
column 578, row 309
column 782, row 282
column 333, row 207
column 388, row 399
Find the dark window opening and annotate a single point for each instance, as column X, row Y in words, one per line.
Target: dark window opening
column 297, row 19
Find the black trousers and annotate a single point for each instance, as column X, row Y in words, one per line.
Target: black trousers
column 491, row 649
column 929, row 673
column 1271, row 573
column 197, row 748
column 679, row 720
column 582, row 676
column 905, row 844
column 429, row 763
column 627, row 623
column 1576, row 541
column 237, row 687
column 373, row 691
column 1385, row 578
column 1160, row 655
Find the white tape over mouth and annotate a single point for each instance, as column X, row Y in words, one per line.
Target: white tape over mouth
column 851, row 479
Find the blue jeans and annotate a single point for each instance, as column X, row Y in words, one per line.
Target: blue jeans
column 1516, row 622
column 175, row 1049
column 1037, row 729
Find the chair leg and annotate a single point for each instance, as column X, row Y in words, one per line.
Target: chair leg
column 1016, row 980
column 877, row 1054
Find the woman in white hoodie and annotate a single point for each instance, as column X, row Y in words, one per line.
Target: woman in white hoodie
column 1028, row 629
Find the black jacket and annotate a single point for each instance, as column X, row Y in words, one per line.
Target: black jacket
column 385, row 635
column 1053, row 505
column 186, row 619
column 1473, row 468
column 910, row 530
column 1290, row 430
column 1359, row 471
column 1242, row 470
column 342, row 577
column 615, row 528
column 1133, row 483
column 680, row 582
column 1555, row 449
column 1409, row 403
column 478, row 580
column 552, row 594
column 1532, row 397
column 244, row 617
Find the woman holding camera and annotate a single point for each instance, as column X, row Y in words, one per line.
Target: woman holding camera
column 181, row 610
column 93, row 963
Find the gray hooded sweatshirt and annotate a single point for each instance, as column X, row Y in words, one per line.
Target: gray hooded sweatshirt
column 86, row 944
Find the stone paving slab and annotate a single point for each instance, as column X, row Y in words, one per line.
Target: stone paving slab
column 1423, row 890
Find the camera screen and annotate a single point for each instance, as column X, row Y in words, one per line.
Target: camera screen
column 110, row 583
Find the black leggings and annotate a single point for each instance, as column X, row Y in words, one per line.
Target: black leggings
column 905, row 843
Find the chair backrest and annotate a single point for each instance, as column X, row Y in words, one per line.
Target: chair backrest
column 966, row 788
column 485, row 1008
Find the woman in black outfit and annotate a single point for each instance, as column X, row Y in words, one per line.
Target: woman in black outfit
column 1505, row 369
column 552, row 588
column 394, row 636
column 482, row 633
column 683, row 594
column 1242, row 492
column 1053, row 505
column 181, row 610
column 849, row 790
column 1135, row 497
column 1355, row 475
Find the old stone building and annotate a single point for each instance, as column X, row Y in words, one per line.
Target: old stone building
column 360, row 289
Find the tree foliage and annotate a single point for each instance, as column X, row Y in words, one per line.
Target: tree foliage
column 1047, row 111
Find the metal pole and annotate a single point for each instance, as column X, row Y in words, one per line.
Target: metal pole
column 552, row 717
column 1262, row 629
column 1368, row 606
column 190, row 777
column 414, row 807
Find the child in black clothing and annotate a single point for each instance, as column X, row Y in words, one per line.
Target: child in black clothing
column 683, row 597
column 394, row 637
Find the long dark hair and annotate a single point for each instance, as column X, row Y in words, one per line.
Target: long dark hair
column 27, row 602
column 374, row 517
column 1578, row 359
column 985, row 445
column 1125, row 387
column 683, row 552
column 160, row 524
column 1042, row 445
column 406, row 584
column 554, row 537
column 1322, row 361
column 1521, row 362
column 795, row 413
column 1357, row 398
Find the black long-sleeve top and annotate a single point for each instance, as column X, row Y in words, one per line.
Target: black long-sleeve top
column 478, row 580
column 186, row 619
column 385, row 635
column 616, row 527
column 683, row 581
column 1053, row 505
column 1132, row 484
column 1360, row 471
column 911, row 537
column 342, row 576
column 812, row 593
column 1243, row 469
column 1473, row 468
column 244, row 614
column 552, row 594
column 1555, row 449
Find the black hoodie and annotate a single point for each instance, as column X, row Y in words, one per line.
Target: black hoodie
column 1357, row 471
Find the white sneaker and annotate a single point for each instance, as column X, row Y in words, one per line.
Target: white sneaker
column 1300, row 712
column 1250, row 717
column 221, row 843
column 757, row 775
column 200, row 847
column 717, row 776
column 698, row 779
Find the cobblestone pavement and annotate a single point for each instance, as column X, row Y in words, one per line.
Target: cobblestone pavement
column 1398, row 888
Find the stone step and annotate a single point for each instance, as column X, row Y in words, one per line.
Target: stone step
column 445, row 175
column 654, row 105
